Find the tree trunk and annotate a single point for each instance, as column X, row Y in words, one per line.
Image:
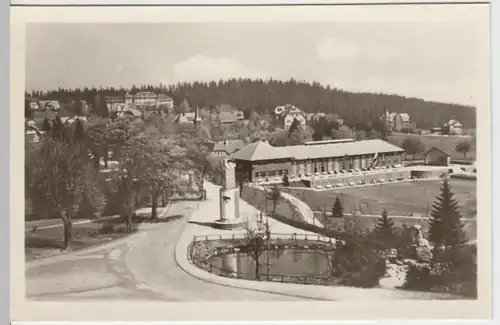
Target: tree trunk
column 154, row 204
column 129, row 222
column 257, row 269
column 68, row 229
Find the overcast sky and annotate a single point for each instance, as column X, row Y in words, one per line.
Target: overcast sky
column 434, row 61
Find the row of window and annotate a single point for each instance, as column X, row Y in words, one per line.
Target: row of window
column 349, row 164
column 382, row 157
column 281, row 172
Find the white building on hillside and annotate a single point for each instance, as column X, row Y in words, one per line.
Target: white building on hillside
column 286, row 114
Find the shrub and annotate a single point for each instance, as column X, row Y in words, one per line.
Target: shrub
column 107, row 228
column 357, row 261
column 455, row 272
column 418, row 277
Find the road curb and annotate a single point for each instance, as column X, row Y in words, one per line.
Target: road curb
column 181, row 250
column 335, row 293
column 63, row 256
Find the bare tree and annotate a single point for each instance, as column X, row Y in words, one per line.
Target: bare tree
column 255, row 245
column 274, row 195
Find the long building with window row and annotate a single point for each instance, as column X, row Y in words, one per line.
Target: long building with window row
column 259, row 160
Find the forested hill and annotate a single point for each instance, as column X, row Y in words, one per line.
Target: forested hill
column 264, row 95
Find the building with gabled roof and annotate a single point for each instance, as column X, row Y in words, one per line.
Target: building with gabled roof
column 436, row 157
column 452, row 127
column 286, row 114
column 260, row 160
column 226, row 148
column 185, row 106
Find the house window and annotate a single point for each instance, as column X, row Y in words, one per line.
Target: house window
column 323, row 166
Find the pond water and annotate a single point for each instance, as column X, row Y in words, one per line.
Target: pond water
column 286, row 262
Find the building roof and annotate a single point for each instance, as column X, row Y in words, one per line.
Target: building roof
column 149, row 94
column 436, row 149
column 364, row 147
column 405, row 117
column 228, row 146
column 453, row 123
column 227, row 117
column 165, row 97
column 189, row 117
column 261, row 151
column 115, row 99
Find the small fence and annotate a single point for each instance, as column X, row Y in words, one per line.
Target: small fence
column 276, row 241
column 273, row 236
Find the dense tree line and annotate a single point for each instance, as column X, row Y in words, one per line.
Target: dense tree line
column 262, row 96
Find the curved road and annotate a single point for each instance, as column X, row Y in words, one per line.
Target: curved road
column 141, row 267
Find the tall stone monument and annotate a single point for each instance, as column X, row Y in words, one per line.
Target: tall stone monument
column 229, row 199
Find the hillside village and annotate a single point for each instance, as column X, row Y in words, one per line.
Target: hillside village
column 233, row 127
column 149, row 149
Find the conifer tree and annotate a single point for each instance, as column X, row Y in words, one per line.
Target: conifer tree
column 79, row 130
column 78, row 108
column 385, row 229
column 445, row 227
column 58, row 128
column 47, row 127
column 338, row 209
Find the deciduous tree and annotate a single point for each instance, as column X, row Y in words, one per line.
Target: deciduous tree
column 413, row 146
column 463, row 147
column 61, row 178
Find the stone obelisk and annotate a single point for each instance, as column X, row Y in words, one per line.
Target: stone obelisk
column 229, row 199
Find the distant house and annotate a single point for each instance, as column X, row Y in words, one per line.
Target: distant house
column 188, row 118
column 52, row 105
column 436, row 130
column 226, row 148
column 165, row 102
column 452, row 127
column 128, row 110
column 32, row 136
column 401, row 121
column 436, row 157
column 398, row 122
column 285, row 115
column 33, row 103
column 145, row 98
column 184, row 106
column 114, row 102
column 71, row 120
column 129, row 99
column 314, row 117
column 227, row 117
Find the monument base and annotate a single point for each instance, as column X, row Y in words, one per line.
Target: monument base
column 229, row 224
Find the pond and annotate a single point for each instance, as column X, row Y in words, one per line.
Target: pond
column 286, row 262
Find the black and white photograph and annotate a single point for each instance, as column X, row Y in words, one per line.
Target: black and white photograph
column 275, row 160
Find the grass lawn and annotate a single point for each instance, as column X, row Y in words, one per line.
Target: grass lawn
column 447, row 144
column 401, row 199
column 45, row 242
column 470, row 226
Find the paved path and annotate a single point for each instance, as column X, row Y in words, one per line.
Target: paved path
column 142, row 266
column 146, row 266
column 316, row 292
